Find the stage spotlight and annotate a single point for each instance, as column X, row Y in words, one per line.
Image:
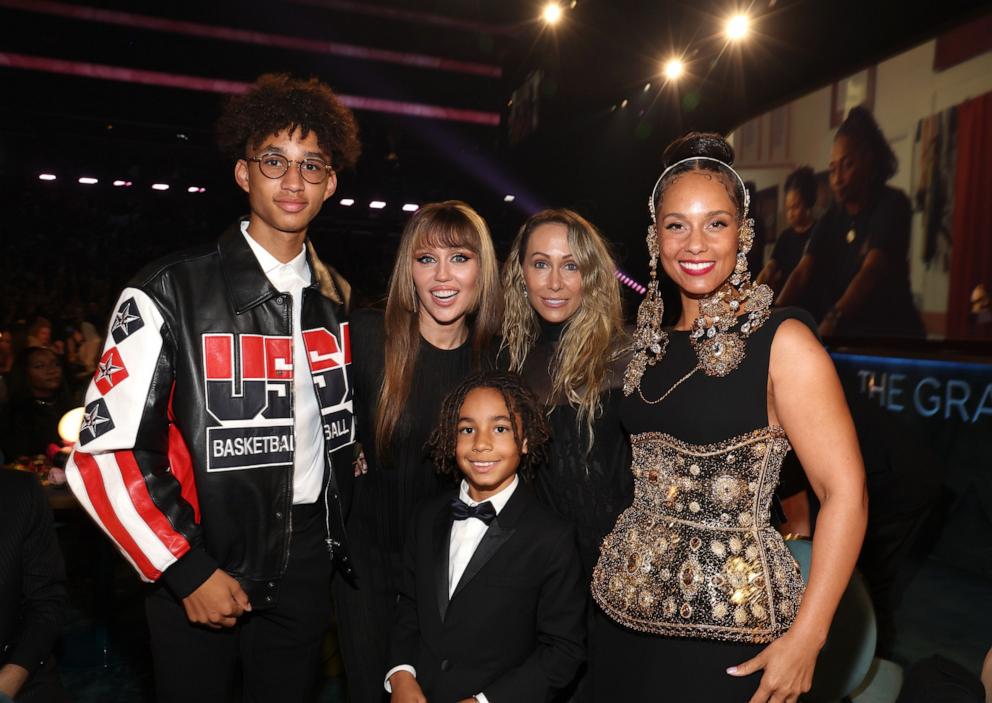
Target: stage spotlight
column 160, row 186
column 46, row 177
column 673, row 69
column 552, row 13
column 88, row 181
column 193, row 189
column 737, row 27
column 410, row 207
column 647, row 87
column 509, row 198
column 624, row 102
column 377, row 204
column 119, row 183
column 347, row 202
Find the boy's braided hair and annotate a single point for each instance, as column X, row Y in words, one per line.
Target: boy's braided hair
column 529, row 422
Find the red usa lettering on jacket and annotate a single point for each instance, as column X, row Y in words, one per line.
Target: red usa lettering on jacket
column 249, row 392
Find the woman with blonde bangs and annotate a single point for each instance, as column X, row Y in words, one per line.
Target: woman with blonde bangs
column 563, row 331
column 442, row 315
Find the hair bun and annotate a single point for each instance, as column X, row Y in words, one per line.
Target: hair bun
column 695, row 144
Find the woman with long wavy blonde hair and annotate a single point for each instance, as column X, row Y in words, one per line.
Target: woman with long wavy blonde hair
column 563, row 331
column 442, row 314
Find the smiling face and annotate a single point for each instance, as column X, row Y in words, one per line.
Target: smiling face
column 551, row 274
column 486, row 451
column 697, row 233
column 445, row 282
column 283, row 206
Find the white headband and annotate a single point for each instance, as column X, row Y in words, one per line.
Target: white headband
column 657, row 184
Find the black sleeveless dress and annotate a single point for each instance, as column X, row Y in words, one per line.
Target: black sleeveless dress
column 693, row 579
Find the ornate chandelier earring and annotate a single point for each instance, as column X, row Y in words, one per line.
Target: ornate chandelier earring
column 650, row 340
column 719, row 350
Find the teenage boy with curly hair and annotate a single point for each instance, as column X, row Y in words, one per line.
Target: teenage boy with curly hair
column 214, row 446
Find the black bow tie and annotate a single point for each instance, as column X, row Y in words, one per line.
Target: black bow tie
column 462, row 511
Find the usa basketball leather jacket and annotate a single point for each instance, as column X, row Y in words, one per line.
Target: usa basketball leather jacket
column 185, row 455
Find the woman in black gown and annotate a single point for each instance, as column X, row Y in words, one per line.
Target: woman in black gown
column 563, row 332
column 700, row 598
column 442, row 313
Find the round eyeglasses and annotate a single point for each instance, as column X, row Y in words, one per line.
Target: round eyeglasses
column 312, row 170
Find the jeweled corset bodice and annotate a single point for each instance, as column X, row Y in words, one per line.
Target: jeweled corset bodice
column 695, row 554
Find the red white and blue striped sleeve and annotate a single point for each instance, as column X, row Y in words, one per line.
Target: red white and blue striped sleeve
column 131, row 470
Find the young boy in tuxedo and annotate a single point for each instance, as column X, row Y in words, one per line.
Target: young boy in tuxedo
column 492, row 605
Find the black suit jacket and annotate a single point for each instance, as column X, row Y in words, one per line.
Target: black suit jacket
column 32, row 577
column 514, row 628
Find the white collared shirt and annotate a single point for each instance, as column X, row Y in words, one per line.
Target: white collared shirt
column 466, row 535
column 308, row 431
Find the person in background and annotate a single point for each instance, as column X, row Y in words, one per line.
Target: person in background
column 38, row 400
column 800, row 196
column 756, row 257
column 32, row 592
column 40, row 335
column 854, row 276
column 6, row 362
column 6, row 351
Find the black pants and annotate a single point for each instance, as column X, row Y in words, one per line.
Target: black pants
column 365, row 614
column 270, row 655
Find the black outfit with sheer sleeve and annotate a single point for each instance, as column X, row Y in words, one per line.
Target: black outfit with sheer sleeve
column 385, row 498
column 587, row 485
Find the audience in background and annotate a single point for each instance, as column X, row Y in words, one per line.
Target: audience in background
column 38, row 400
column 800, row 196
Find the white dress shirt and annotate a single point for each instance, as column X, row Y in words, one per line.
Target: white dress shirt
column 308, row 431
column 466, row 535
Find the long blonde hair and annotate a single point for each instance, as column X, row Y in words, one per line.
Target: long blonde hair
column 451, row 223
column 592, row 337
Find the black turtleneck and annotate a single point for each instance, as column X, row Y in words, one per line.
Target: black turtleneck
column 588, row 486
column 551, row 331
